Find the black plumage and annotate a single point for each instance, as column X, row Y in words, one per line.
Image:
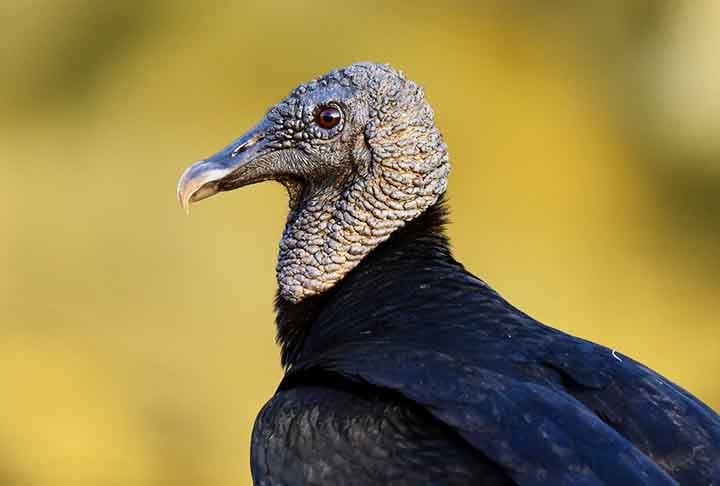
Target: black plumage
column 413, row 371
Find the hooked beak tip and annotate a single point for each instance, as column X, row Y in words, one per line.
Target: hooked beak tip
column 180, row 194
column 210, row 176
column 184, row 204
column 198, row 182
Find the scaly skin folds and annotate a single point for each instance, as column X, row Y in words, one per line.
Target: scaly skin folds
column 399, row 173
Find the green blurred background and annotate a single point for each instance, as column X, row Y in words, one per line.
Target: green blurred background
column 136, row 344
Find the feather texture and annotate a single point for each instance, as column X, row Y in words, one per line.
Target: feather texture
column 413, row 371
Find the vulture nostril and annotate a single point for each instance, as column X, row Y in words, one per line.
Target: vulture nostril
column 241, row 148
column 246, row 145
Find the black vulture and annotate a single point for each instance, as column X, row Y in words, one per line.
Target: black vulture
column 401, row 366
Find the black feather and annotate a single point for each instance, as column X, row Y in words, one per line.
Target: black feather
column 413, row 371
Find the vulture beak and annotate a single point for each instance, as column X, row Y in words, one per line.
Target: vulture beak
column 237, row 165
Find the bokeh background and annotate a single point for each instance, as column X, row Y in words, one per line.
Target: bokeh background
column 136, row 344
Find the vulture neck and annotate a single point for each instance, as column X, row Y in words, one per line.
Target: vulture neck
column 419, row 244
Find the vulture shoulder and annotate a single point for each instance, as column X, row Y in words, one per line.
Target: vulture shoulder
column 543, row 406
column 322, row 429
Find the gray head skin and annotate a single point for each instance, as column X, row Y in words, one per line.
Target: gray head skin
column 359, row 153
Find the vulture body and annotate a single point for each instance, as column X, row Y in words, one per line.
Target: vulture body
column 404, row 368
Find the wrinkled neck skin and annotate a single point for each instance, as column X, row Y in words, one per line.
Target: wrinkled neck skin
column 419, row 243
column 332, row 229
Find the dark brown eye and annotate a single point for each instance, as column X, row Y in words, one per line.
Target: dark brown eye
column 328, row 117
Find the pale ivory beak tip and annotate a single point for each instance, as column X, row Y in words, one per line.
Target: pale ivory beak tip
column 199, row 182
column 182, row 195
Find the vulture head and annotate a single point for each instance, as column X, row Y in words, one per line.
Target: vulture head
column 359, row 154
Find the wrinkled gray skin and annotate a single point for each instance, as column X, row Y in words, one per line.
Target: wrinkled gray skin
column 350, row 186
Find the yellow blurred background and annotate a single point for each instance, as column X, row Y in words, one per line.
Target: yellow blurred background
column 136, row 344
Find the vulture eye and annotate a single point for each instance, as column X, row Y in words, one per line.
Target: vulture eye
column 328, row 117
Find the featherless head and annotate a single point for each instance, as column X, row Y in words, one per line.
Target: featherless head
column 359, row 153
